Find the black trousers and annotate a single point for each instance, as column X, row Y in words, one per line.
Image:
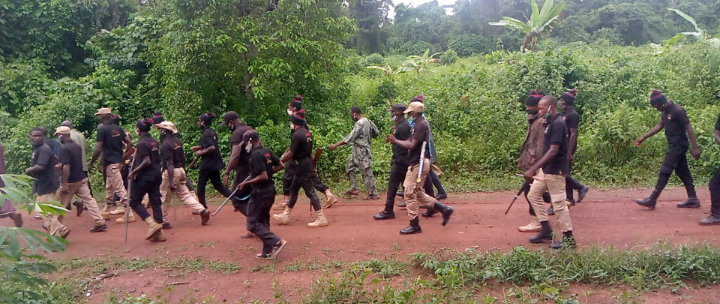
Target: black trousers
column 288, row 178
column 304, row 181
column 397, row 176
column 571, row 184
column 436, row 182
column 140, row 187
column 715, row 193
column 214, row 177
column 675, row 160
column 242, row 197
column 258, row 216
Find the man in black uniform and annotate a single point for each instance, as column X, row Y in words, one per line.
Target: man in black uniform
column 146, row 178
column 299, row 152
column 110, row 138
column 572, row 120
column 74, row 179
column 212, row 161
column 418, row 169
column 263, row 164
column 549, row 175
column 399, row 162
column 677, row 131
column 46, row 184
column 714, row 218
column 239, row 162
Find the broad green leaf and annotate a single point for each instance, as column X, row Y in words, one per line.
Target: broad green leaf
column 688, row 18
column 544, row 13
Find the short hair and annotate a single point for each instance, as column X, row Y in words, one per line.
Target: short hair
column 38, row 129
column 43, row 129
column 67, row 123
column 551, row 99
column 355, row 109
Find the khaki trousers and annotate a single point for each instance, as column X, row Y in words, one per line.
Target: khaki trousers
column 555, row 184
column 82, row 190
column 54, row 226
column 114, row 184
column 414, row 192
column 181, row 190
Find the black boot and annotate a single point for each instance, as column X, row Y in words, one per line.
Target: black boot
column 430, row 212
column 544, row 235
column 692, row 202
column 713, row 219
column 650, row 201
column 582, row 193
column 413, row 228
column 384, row 215
column 446, row 211
column 568, row 241
column 551, row 211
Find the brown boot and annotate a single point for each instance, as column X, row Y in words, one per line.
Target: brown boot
column 130, row 216
column 154, row 228
column 283, row 218
column 105, row 213
column 159, row 237
column 320, row 221
column 331, row 199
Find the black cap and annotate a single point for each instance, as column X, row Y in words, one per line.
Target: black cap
column 397, row 107
column 232, row 115
column 250, row 135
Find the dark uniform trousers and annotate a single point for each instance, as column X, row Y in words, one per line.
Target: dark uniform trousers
column 715, row 193
column 151, row 186
column 242, row 197
column 571, row 184
column 288, row 178
column 258, row 216
column 397, row 176
column 304, row 181
column 214, row 177
column 675, row 160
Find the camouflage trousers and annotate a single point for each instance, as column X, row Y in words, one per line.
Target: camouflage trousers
column 362, row 162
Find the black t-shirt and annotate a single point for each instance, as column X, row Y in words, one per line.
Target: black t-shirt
column 421, row 133
column 236, row 139
column 402, row 132
column 262, row 159
column 71, row 155
column 212, row 160
column 172, row 148
column 54, row 146
column 572, row 121
column 556, row 133
column 46, row 180
column 674, row 118
column 111, row 136
column 717, row 124
column 147, row 146
column 301, row 144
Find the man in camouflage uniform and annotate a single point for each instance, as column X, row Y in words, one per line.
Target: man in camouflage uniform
column 361, row 158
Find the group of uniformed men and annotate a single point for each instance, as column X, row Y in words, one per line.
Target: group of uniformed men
column 157, row 170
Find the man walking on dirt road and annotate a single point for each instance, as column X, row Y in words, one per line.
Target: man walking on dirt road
column 399, row 161
column 677, row 131
column 714, row 185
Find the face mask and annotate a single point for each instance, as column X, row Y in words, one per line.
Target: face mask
column 137, row 131
column 394, row 118
column 289, row 112
column 60, row 138
column 412, row 119
column 355, row 118
column 548, row 113
column 248, row 147
column 292, row 126
column 231, row 127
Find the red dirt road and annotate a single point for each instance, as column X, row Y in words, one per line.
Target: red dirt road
column 605, row 218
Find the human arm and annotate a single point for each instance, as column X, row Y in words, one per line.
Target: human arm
column 695, row 150
column 356, row 131
column 717, row 137
column 65, row 178
column 409, row 144
column 573, row 142
column 544, row 160
column 170, row 172
column 200, row 151
column 657, row 128
column 44, row 156
column 96, row 154
column 145, row 163
column 234, row 157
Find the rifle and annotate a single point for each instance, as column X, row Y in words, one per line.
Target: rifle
column 525, row 185
column 127, row 207
column 422, row 161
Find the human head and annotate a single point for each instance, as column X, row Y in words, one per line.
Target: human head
column 104, row 114
column 157, row 118
column 230, row 119
column 166, row 127
column 252, row 138
column 37, row 136
column 567, row 99
column 420, row 98
column 396, row 111
column 63, row 132
column 298, row 119
column 205, row 120
column 295, row 104
column 143, row 125
column 658, row 100
column 67, row 123
column 415, row 109
column 531, row 102
column 548, row 104
column 355, row 113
